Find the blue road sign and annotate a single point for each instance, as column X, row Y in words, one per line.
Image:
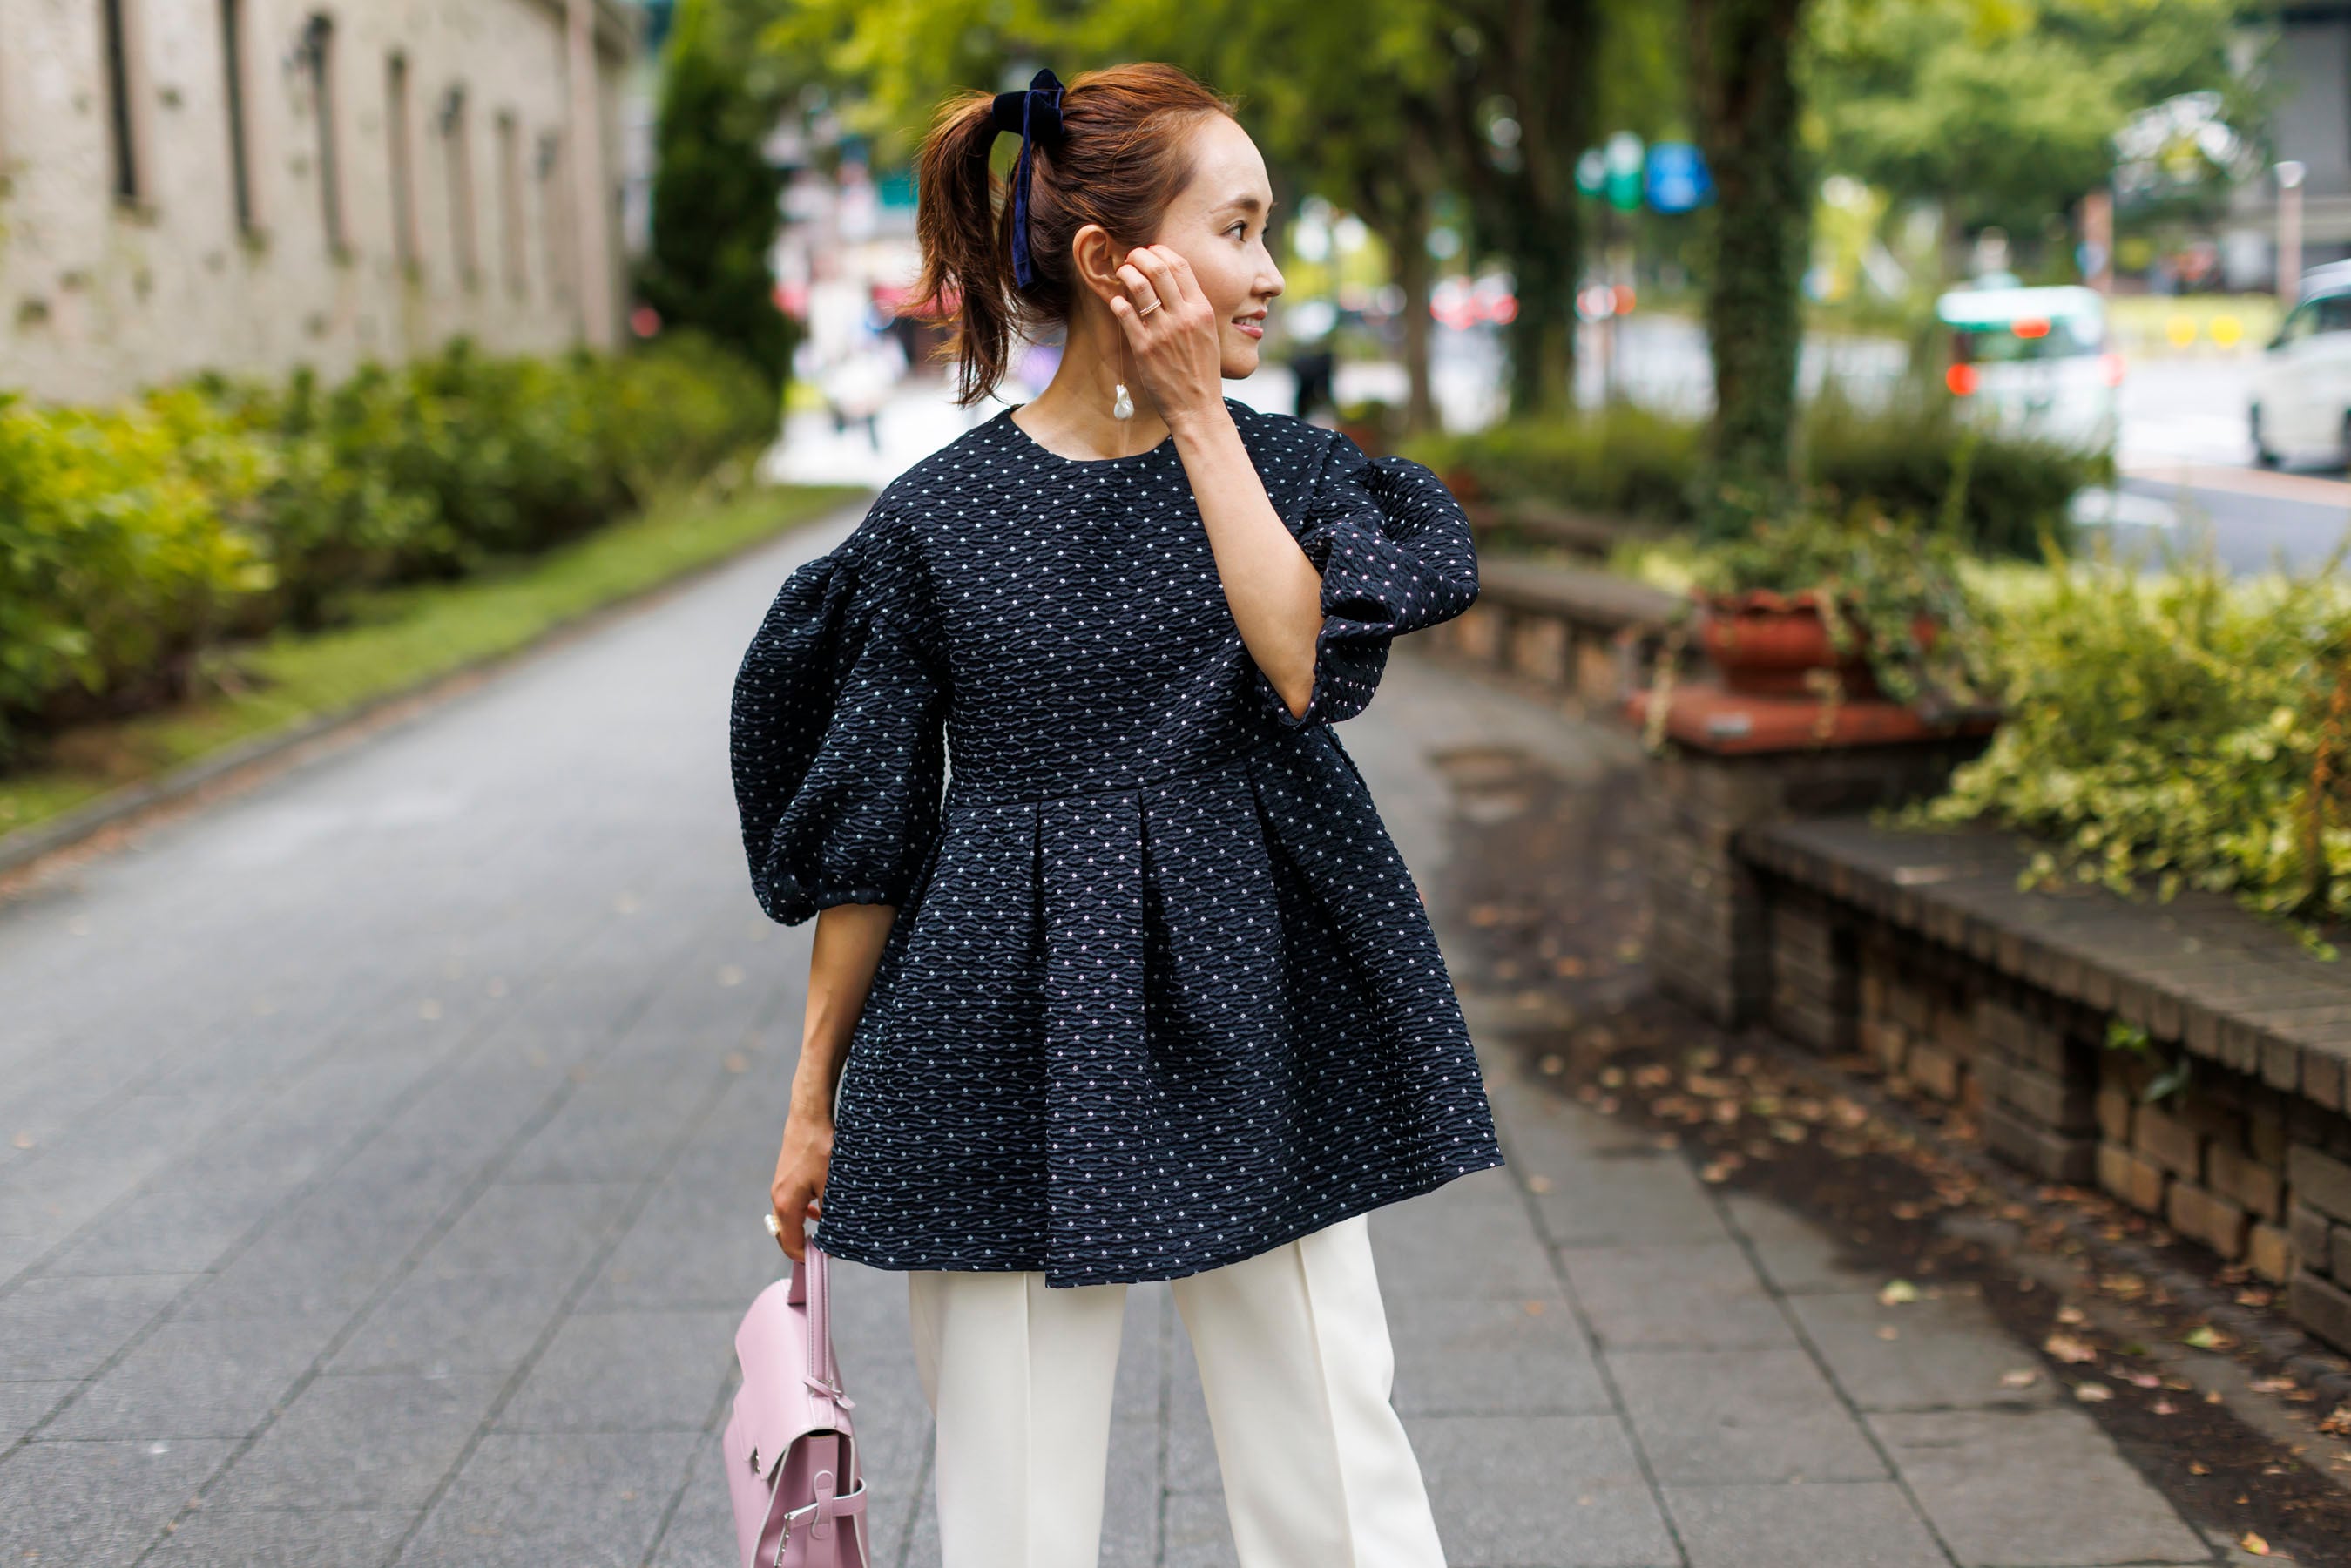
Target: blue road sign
column 1677, row 177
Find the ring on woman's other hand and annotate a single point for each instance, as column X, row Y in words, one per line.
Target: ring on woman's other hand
column 775, row 1226
column 1149, row 308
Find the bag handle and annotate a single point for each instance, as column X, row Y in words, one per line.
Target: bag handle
column 812, row 1286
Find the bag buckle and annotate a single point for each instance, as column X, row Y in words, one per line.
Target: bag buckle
column 807, row 1510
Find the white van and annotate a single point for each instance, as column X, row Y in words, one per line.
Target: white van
column 2301, row 387
column 2034, row 362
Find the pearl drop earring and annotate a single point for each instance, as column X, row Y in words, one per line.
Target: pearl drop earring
column 1122, row 406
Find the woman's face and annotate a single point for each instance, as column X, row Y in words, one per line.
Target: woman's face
column 1218, row 223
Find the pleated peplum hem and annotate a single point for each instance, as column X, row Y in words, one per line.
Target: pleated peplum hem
column 1161, row 994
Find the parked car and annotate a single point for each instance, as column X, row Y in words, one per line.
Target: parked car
column 2302, row 388
column 2035, row 361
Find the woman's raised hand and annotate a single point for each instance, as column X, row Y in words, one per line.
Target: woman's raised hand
column 1178, row 357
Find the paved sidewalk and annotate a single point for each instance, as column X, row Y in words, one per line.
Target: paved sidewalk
column 383, row 1155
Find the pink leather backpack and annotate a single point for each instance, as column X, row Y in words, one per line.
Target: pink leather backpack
column 793, row 1470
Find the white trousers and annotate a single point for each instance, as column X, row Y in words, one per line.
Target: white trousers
column 1296, row 1365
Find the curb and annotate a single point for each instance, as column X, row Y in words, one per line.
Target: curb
column 21, row 847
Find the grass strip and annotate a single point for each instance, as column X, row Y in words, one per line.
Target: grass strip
column 400, row 638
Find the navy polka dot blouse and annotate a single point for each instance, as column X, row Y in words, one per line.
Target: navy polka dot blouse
column 1160, row 994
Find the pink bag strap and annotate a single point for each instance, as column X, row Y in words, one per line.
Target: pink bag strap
column 813, row 1285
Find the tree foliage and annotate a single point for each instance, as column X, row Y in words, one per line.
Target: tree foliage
column 714, row 198
column 2005, row 111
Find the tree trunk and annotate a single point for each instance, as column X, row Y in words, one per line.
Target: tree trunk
column 1747, row 105
column 1540, row 54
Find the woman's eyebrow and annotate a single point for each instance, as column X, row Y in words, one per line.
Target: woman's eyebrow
column 1248, row 204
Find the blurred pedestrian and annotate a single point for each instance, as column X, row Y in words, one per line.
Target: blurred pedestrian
column 1314, row 366
column 1143, row 990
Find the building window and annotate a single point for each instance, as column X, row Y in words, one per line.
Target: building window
column 554, row 213
column 457, row 158
column 240, row 151
column 122, row 106
column 399, row 136
column 510, row 222
column 317, row 56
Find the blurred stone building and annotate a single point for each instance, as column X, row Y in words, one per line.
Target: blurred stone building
column 250, row 185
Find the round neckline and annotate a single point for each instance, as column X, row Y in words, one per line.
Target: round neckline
column 1038, row 447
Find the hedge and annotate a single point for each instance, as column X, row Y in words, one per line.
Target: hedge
column 1630, row 462
column 134, row 538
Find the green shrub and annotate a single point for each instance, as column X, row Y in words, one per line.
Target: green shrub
column 1903, row 459
column 2182, row 728
column 678, row 408
column 132, row 537
column 1633, row 462
column 1623, row 461
column 124, row 545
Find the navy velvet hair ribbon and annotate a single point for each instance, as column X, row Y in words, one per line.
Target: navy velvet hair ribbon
column 1035, row 113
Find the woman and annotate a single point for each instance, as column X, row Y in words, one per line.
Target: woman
column 1147, row 993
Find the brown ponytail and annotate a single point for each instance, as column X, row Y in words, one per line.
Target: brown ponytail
column 1121, row 159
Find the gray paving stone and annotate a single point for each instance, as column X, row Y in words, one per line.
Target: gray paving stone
column 332, row 1251
column 1701, row 1295
column 364, row 1443
column 1710, row 1417
column 1487, row 1357
column 1948, row 1353
column 701, row 1532
column 93, row 1505
column 1138, row 1393
column 1486, row 1245
column 197, row 1380
column 22, row 1404
column 528, row 1499
column 1644, row 1196
column 1798, row 1257
column 2042, row 1487
column 689, row 1247
column 1131, row 1498
column 222, row 1538
column 480, row 1298
column 1539, row 1491
column 67, row 1327
column 1849, row 1525
column 1199, row 1532
column 436, row 1326
column 628, row 1372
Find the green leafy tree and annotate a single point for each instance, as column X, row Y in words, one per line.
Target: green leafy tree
column 2004, row 111
column 714, row 198
column 1381, row 105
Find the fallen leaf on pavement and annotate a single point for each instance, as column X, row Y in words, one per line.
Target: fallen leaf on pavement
column 2253, row 1544
column 2204, row 1336
column 1897, row 1293
column 2093, row 1393
column 2066, row 1347
column 2022, row 1377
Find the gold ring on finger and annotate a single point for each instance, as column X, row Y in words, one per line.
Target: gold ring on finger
column 1149, row 308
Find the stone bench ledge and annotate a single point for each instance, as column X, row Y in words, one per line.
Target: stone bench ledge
column 2199, row 972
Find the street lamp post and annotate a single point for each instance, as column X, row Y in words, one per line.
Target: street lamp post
column 2289, row 238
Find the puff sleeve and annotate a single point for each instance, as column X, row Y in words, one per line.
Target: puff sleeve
column 1396, row 553
column 837, row 730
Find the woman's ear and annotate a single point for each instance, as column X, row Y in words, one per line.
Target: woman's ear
column 1097, row 257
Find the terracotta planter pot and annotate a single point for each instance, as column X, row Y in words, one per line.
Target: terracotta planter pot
column 1769, row 645
column 1369, row 437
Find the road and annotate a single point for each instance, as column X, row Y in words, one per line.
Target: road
column 385, row 1150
